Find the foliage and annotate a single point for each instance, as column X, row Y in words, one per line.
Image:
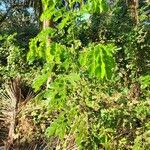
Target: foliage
column 66, row 55
column 78, row 90
column 13, row 60
column 81, row 113
column 91, row 71
column 17, row 27
column 98, row 60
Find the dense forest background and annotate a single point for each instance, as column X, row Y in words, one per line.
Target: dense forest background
column 75, row 74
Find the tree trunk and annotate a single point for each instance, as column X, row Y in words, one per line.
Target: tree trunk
column 133, row 6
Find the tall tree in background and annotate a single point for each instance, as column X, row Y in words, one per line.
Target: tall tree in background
column 133, row 6
column 9, row 5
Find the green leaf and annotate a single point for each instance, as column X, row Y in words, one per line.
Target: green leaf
column 103, row 6
column 50, row 131
column 42, row 78
column 83, row 58
column 64, row 22
column 98, row 60
column 103, row 70
column 58, row 15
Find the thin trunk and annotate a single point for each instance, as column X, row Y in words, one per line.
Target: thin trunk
column 133, row 5
column 47, row 24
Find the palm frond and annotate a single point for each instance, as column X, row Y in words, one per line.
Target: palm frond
column 14, row 97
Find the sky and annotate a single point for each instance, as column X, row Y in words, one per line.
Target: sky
column 2, row 6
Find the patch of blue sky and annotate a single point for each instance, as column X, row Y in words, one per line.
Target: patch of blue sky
column 30, row 10
column 2, row 7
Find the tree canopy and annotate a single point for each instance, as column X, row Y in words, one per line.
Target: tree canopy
column 74, row 74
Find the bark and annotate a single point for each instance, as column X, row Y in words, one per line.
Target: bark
column 133, row 6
